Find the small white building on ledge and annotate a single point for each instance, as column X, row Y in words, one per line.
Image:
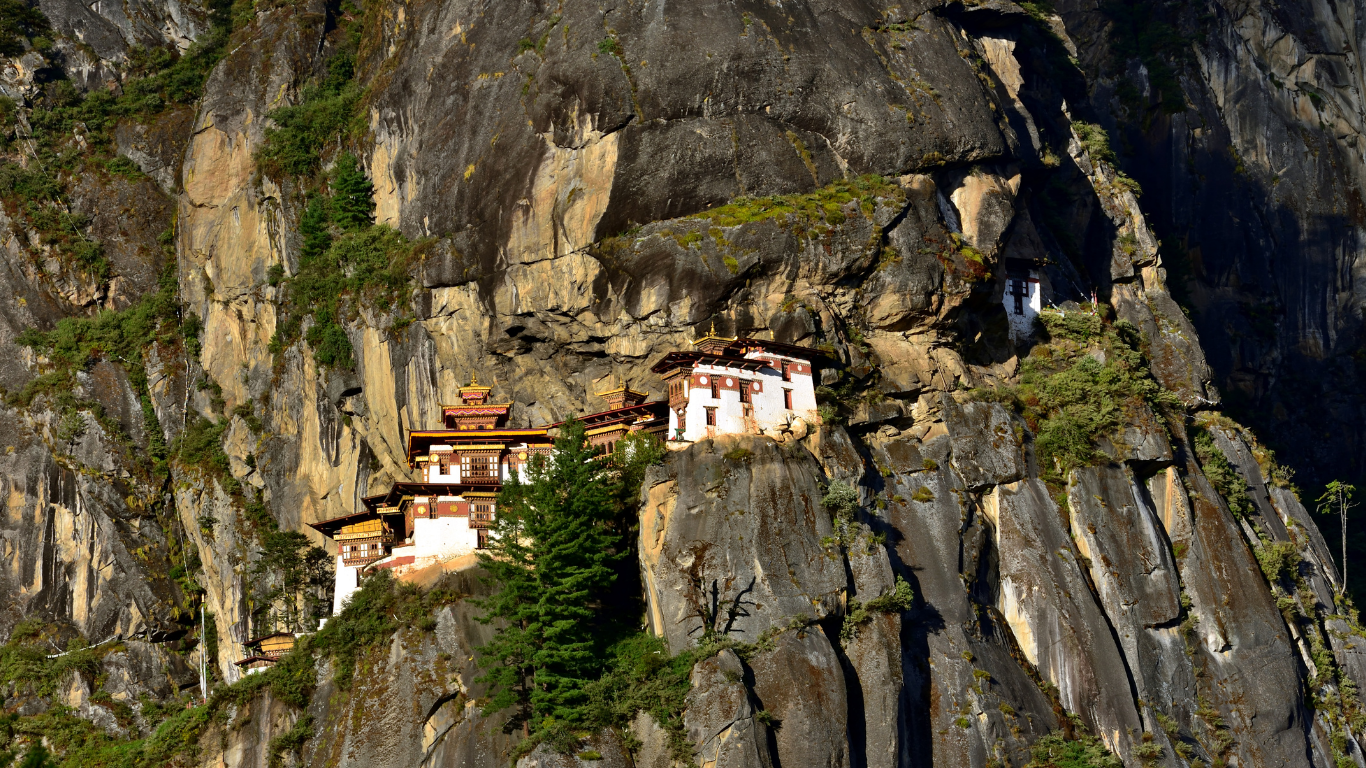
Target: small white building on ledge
column 737, row 386
column 1023, row 297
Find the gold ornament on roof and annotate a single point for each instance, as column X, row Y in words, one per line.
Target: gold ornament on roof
column 713, row 337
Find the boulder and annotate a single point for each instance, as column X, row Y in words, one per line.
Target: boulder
column 732, row 541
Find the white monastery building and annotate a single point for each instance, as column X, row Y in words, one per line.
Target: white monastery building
column 737, row 386
column 721, row 386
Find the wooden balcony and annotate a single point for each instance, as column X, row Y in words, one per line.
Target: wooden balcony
column 364, row 556
column 365, row 550
column 481, row 520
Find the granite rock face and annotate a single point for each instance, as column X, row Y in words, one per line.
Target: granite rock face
column 596, row 180
column 731, row 542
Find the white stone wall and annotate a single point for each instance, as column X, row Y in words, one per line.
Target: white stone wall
column 768, row 409
column 433, row 472
column 443, row 537
column 1022, row 325
column 348, row 581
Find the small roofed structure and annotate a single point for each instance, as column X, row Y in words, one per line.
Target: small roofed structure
column 1023, row 296
column 253, row 664
column 362, row 538
column 622, row 397
column 627, row 413
column 265, row 651
column 474, row 411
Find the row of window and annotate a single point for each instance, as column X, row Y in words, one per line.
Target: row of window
column 711, row 411
column 676, row 386
column 471, row 467
column 747, row 393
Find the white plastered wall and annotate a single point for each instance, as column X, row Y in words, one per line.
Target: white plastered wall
column 348, row 581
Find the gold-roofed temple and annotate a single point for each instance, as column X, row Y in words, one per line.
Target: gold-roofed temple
column 448, row 508
column 622, row 397
column 474, row 411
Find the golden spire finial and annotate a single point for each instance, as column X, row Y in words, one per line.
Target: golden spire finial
column 713, row 327
column 474, row 379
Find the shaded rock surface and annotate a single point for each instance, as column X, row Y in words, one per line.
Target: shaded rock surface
column 571, row 190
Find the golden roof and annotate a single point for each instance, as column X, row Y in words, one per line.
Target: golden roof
column 623, row 388
column 473, row 386
column 711, row 336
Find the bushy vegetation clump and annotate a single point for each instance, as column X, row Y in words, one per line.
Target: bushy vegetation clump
column 1084, row 751
column 69, row 133
column 324, row 118
column 1083, row 385
column 641, row 676
column 122, row 337
column 21, row 23
column 1221, row 474
column 859, row 613
column 346, row 262
column 379, row 609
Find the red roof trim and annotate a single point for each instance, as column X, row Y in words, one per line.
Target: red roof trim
column 405, row 560
column 250, row 659
column 604, row 417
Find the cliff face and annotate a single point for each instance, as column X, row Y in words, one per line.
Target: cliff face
column 594, row 183
column 1254, row 190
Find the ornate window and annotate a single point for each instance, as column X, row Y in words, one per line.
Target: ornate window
column 745, row 394
column 477, row 469
column 787, row 399
column 711, row 417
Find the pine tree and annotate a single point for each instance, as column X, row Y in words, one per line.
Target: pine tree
column 313, row 229
column 290, row 587
column 37, row 757
column 1337, row 497
column 552, row 556
column 353, row 204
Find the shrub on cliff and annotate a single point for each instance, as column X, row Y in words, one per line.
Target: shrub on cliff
column 1085, row 751
column 1222, row 475
column 1081, row 386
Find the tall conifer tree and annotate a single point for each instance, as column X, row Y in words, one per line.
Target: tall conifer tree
column 353, row 203
column 552, row 554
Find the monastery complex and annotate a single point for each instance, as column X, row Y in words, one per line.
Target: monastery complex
column 720, row 386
